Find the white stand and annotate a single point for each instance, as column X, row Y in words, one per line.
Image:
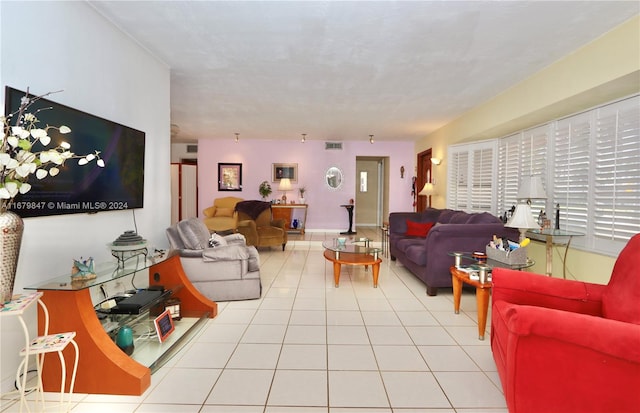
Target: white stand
column 39, row 347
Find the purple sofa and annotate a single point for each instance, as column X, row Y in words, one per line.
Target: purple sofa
column 428, row 258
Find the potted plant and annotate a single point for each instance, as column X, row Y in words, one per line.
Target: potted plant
column 264, row 189
column 301, row 191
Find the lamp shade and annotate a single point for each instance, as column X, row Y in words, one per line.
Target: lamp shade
column 427, row 189
column 522, row 218
column 531, row 188
column 285, row 184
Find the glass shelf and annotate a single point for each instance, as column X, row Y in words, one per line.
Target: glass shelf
column 149, row 351
column 105, row 272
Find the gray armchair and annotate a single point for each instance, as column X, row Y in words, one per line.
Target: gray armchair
column 226, row 272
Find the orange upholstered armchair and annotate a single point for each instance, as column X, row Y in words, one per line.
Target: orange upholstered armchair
column 569, row 346
column 222, row 216
column 257, row 225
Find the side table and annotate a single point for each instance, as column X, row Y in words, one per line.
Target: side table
column 483, row 290
column 48, row 343
column 553, row 237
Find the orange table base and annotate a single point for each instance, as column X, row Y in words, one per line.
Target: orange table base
column 353, row 259
column 483, row 291
column 104, row 368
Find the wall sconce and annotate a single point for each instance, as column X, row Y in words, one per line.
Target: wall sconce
column 304, row 138
column 237, row 138
column 436, row 161
column 371, row 139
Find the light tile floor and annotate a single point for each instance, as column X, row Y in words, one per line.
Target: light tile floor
column 308, row 347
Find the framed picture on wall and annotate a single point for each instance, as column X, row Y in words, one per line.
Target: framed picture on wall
column 285, row 170
column 229, row 177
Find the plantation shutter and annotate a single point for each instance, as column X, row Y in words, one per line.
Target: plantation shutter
column 617, row 172
column 482, row 177
column 471, row 177
column 571, row 171
column 458, row 180
column 534, row 161
column 508, row 172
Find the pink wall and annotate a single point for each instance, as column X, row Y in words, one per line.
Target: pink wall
column 325, row 213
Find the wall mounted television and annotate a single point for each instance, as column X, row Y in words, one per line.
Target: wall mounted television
column 88, row 188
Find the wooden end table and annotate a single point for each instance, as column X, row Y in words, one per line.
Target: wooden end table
column 483, row 290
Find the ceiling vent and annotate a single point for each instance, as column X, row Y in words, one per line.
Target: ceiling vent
column 333, row 146
column 192, row 148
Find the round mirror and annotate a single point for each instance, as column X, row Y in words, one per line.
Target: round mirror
column 334, row 177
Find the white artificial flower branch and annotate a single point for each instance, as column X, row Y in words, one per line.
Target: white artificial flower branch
column 18, row 160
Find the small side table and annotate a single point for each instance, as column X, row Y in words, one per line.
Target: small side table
column 553, row 237
column 483, row 290
column 39, row 347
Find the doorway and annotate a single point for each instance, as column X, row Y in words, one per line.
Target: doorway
column 424, row 176
column 372, row 189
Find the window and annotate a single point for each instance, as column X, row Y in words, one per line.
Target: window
column 589, row 164
column 472, row 168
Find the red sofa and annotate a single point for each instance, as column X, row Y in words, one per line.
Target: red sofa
column 569, row 346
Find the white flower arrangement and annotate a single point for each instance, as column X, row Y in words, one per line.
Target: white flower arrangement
column 18, row 160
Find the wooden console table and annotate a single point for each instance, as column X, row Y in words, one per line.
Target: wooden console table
column 289, row 212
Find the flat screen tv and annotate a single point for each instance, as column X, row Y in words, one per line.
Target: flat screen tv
column 87, row 188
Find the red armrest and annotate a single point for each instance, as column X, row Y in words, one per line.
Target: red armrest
column 609, row 337
column 526, row 288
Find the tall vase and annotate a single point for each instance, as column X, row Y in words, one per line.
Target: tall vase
column 11, row 228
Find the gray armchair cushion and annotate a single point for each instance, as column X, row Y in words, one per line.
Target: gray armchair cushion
column 190, row 253
column 174, row 238
column 228, row 253
column 194, row 234
column 254, row 259
column 235, row 239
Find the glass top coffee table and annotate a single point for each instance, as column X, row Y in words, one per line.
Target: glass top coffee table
column 353, row 252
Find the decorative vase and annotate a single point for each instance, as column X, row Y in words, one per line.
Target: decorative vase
column 11, row 229
column 124, row 340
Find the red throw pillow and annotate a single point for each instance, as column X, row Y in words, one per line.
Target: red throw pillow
column 418, row 229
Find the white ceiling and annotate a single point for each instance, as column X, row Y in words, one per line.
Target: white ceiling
column 345, row 70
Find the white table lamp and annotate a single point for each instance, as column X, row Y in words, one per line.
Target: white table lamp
column 285, row 185
column 522, row 219
column 427, row 190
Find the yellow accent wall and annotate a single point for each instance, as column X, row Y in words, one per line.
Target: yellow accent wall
column 603, row 70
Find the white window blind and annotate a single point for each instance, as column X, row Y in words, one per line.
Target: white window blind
column 472, row 177
column 508, row 172
column 616, row 186
column 571, row 171
column 589, row 164
column 482, row 179
column 458, row 179
column 534, row 161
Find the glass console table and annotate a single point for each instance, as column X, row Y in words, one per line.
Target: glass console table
column 553, row 237
column 104, row 368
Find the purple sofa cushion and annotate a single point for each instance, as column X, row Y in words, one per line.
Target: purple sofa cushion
column 483, row 218
column 417, row 254
column 405, row 242
column 446, row 215
column 459, row 218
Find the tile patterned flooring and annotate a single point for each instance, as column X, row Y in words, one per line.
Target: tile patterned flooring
column 308, row 347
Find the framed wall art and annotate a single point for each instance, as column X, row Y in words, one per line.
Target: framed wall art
column 285, row 170
column 229, row 177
